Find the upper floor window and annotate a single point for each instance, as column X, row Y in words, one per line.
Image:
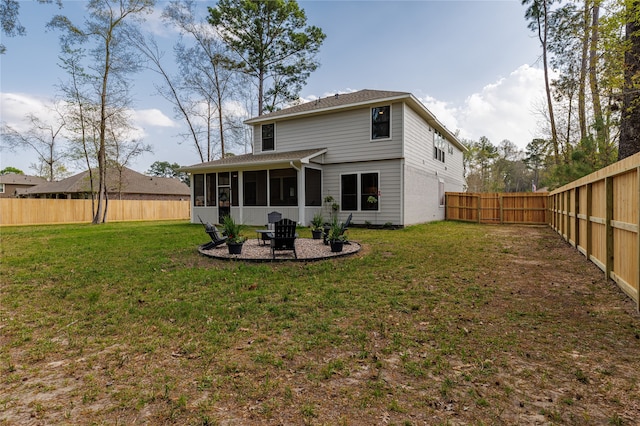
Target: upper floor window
column 381, row 122
column 268, row 137
column 439, row 146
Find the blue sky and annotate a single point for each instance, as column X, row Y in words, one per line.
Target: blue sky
column 473, row 63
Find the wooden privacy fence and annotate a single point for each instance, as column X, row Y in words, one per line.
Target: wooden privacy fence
column 599, row 214
column 498, row 208
column 31, row 211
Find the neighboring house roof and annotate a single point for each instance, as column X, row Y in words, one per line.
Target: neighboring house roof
column 131, row 182
column 16, row 179
column 271, row 158
column 354, row 100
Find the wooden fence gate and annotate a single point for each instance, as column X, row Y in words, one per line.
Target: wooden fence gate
column 498, row 208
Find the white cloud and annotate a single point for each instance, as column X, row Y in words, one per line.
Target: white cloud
column 152, row 117
column 501, row 110
column 14, row 108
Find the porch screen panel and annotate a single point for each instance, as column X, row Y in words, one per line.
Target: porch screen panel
column 255, row 188
column 198, row 190
column 283, row 185
column 211, row 189
column 234, row 189
column 313, row 187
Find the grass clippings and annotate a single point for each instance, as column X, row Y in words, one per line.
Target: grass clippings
column 442, row 323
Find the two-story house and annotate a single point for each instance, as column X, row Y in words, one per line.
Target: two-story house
column 382, row 156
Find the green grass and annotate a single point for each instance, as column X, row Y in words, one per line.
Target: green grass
column 134, row 318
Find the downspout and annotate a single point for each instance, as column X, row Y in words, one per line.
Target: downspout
column 301, row 218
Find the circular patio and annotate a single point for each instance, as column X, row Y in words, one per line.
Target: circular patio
column 255, row 250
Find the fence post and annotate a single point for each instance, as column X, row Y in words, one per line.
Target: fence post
column 589, row 213
column 479, row 201
column 500, row 207
column 577, row 236
column 638, row 238
column 609, row 228
column 569, row 215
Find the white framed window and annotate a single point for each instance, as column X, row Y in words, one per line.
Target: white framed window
column 360, row 191
column 441, row 196
column 1, row 188
column 381, row 122
column 268, row 136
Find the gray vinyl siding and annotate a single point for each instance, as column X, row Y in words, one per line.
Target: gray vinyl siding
column 346, row 134
column 390, row 186
column 423, row 173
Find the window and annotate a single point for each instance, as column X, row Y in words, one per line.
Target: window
column 268, row 137
column 439, row 146
column 1, row 188
column 198, row 190
column 312, row 187
column 283, row 187
column 369, row 191
column 359, row 186
column 381, row 122
column 255, row 188
column 441, row 192
column 349, row 190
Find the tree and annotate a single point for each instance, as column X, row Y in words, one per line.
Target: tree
column 630, row 124
column 205, row 84
column 273, row 44
column 10, row 169
column 535, row 156
column 107, row 30
column 168, row 170
column 538, row 13
column 9, row 19
column 43, row 138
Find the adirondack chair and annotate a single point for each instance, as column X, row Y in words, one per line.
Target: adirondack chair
column 212, row 231
column 264, row 235
column 284, row 237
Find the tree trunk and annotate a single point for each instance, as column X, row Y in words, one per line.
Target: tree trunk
column 600, row 127
column 630, row 123
column 543, row 32
column 582, row 109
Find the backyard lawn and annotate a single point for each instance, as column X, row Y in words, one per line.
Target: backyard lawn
column 437, row 324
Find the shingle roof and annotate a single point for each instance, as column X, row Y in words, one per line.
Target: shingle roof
column 333, row 102
column 258, row 159
column 132, row 182
column 16, row 179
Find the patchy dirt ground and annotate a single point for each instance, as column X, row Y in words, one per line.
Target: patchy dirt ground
column 546, row 340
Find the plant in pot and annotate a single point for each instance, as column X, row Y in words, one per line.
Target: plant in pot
column 336, row 236
column 232, row 230
column 317, row 226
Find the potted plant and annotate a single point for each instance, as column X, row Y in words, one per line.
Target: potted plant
column 336, row 236
column 232, row 230
column 316, row 226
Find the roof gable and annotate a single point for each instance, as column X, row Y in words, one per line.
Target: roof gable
column 330, row 103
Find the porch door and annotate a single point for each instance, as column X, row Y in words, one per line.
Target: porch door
column 224, row 196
